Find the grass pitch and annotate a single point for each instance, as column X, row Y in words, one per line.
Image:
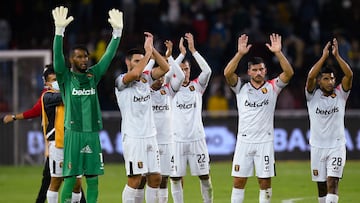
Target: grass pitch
column 292, row 184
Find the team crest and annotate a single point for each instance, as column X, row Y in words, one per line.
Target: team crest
column 333, row 95
column 264, row 90
column 192, row 88
column 89, row 75
column 315, row 172
column 143, row 80
column 162, row 92
column 237, row 168
column 140, row 164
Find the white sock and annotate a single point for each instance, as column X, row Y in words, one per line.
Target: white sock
column 206, row 191
column 52, row 196
column 322, row 199
column 75, row 197
column 151, row 194
column 163, row 195
column 177, row 191
column 332, row 198
column 128, row 194
column 237, row 195
column 265, row 196
column 139, row 196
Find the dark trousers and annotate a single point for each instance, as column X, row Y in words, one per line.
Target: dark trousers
column 45, row 183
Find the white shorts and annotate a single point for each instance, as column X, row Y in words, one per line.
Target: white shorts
column 327, row 162
column 248, row 155
column 141, row 155
column 56, row 158
column 166, row 152
column 196, row 154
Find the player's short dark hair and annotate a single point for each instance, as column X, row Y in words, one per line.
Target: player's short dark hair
column 48, row 70
column 79, row 47
column 255, row 61
column 327, row 69
column 133, row 51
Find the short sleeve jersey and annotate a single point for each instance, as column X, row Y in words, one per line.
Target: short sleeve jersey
column 256, row 108
column 161, row 106
column 134, row 101
column 186, row 113
column 326, row 115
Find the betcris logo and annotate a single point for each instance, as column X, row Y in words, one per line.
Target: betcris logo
column 83, row 92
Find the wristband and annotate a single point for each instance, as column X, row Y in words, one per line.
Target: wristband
column 116, row 33
column 14, row 117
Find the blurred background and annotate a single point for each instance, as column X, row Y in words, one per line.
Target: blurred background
column 305, row 27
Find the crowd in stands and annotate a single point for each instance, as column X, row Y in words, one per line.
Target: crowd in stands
column 305, row 26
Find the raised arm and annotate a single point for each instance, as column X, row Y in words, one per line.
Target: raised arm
column 61, row 21
column 314, row 71
column 205, row 74
column 163, row 67
column 182, row 49
column 178, row 75
column 229, row 71
column 346, row 81
column 136, row 72
column 275, row 47
column 116, row 21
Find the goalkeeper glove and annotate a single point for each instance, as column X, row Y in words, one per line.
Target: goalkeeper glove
column 61, row 20
column 116, row 21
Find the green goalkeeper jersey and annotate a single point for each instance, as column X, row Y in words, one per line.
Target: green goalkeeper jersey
column 79, row 90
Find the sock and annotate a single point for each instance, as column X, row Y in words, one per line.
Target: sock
column 322, row 199
column 151, row 194
column 177, row 191
column 237, row 195
column 67, row 189
column 332, row 198
column 265, row 196
column 52, row 196
column 206, row 191
column 128, row 194
column 75, row 197
column 92, row 190
column 163, row 195
column 139, row 196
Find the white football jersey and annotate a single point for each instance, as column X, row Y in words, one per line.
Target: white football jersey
column 256, row 109
column 134, row 101
column 326, row 115
column 186, row 113
column 161, row 106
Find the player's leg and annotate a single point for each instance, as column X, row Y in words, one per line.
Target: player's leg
column 179, row 161
column 45, row 182
column 163, row 191
column 55, row 165
column 241, row 174
column 264, row 162
column 139, row 196
column 134, row 157
column 77, row 191
column 92, row 191
column 335, row 168
column 318, row 171
column 199, row 165
column 166, row 155
column 153, row 176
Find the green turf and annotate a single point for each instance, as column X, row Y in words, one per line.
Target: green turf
column 21, row 184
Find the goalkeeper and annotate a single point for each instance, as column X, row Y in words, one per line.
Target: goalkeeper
column 83, row 121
